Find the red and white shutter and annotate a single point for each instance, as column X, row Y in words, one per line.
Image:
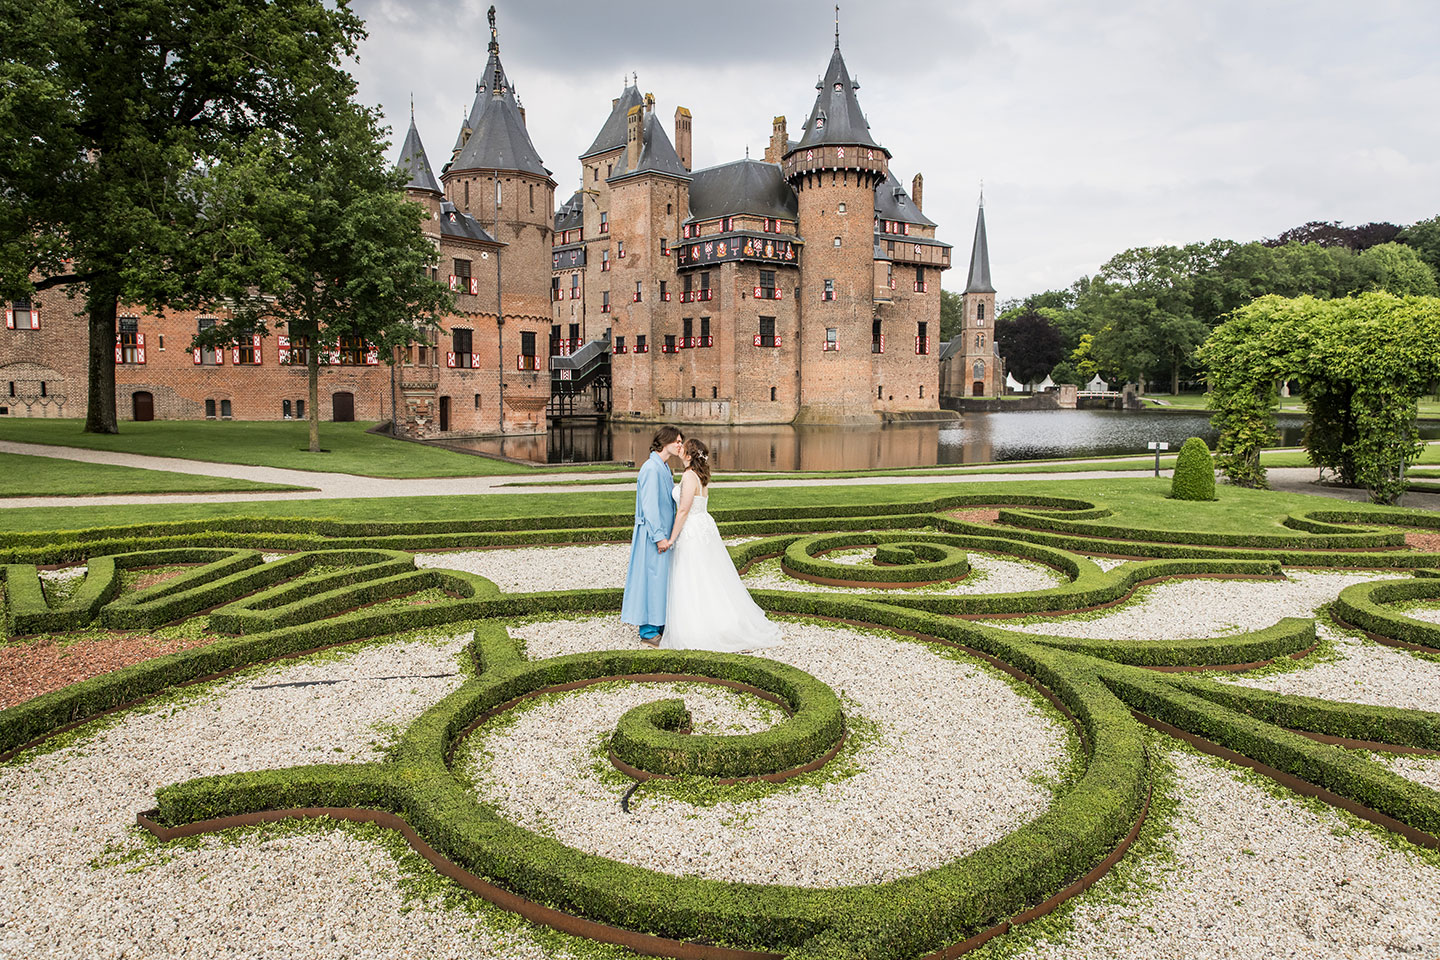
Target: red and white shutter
column 450, row 359
column 9, row 319
column 283, row 348
column 454, row 282
column 372, row 355
column 139, row 348
column 255, row 343
column 119, row 352
column 335, row 354
column 474, row 286
column 757, row 339
column 778, row 294
column 235, row 353
column 195, row 354
column 34, row 316
column 777, row 339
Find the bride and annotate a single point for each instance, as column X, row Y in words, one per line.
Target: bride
column 708, row 607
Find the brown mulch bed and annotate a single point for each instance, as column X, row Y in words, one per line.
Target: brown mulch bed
column 975, row 516
column 1427, row 542
column 30, row 669
column 147, row 580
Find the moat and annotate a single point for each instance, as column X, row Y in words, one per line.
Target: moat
column 976, row 438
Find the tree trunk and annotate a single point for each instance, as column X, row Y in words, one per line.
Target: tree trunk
column 1175, row 378
column 314, row 365
column 102, row 306
column 394, row 424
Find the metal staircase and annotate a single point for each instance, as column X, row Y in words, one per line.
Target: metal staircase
column 580, row 380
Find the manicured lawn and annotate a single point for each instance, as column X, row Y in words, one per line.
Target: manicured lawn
column 1429, row 407
column 1140, row 503
column 266, row 444
column 22, row 476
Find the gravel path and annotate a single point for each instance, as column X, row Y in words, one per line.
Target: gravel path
column 526, row 569
column 1421, row 769
column 1255, row 877
column 1206, row 608
column 929, row 790
column 990, row 573
column 1367, row 672
column 320, row 895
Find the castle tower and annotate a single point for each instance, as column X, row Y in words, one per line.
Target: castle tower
column 497, row 178
column 834, row 170
column 979, row 373
column 422, row 186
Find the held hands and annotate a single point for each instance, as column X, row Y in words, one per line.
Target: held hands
column 665, row 544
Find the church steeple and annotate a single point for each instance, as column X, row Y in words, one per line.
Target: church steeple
column 979, row 281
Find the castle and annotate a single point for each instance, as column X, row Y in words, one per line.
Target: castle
column 804, row 288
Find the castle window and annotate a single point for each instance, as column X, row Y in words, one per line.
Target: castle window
column 727, row 224
column 664, row 290
column 596, row 172
column 767, row 285
column 877, row 338
column 225, row 409
column 574, row 286
column 285, row 409
column 527, row 345
column 829, row 293
column 837, row 241
column 922, row 338
column 460, row 343
column 247, row 350
column 22, row 316
column 669, row 345
column 467, row 195
column 687, row 332
column 604, row 260
column 130, row 345
column 979, row 370
column 609, row 169
column 640, row 345
column 161, row 338
column 638, row 288
column 980, row 322
column 669, row 208
column 664, row 247
column 980, row 310
column 554, row 289
column 209, row 409
column 532, row 198
column 880, row 392
column 831, row 343
column 705, row 340
column 209, row 356
column 604, row 222
column 979, row 341
column 620, row 245
column 619, row 344
column 462, row 276
column 477, row 401
column 840, row 209
column 299, row 409
column 605, row 301
column 772, row 393
column 692, row 393
column 714, row 393
column 767, row 332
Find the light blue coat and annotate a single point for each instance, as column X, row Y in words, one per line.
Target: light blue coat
column 648, row 579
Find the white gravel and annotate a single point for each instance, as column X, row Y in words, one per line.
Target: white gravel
column 990, row 573
column 1206, row 608
column 545, row 568
column 1257, row 877
column 929, row 791
column 1429, row 612
column 1366, row 672
column 321, row 895
column 64, row 573
column 1420, row 768
column 1107, row 563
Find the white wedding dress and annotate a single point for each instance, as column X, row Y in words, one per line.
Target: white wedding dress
column 707, row 607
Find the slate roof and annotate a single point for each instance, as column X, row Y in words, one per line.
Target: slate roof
column 893, row 203
column 500, row 141
column 453, row 223
column 612, row 134
column 837, row 107
column 657, row 153
column 570, row 215
column 979, row 281
column 742, row 186
column 483, row 97
column 951, row 348
column 414, row 162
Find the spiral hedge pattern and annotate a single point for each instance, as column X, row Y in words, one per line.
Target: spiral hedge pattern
column 332, row 588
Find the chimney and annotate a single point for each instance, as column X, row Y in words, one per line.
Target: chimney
column 634, row 127
column 614, row 102
column 917, row 187
column 649, row 103
column 779, row 142
column 682, row 136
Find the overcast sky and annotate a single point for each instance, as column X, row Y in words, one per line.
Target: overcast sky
column 1095, row 126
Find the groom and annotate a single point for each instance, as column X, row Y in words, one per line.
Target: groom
column 647, row 581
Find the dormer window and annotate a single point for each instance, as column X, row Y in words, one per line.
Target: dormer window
column 838, row 88
column 819, row 123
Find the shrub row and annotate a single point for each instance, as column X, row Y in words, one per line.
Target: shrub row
column 1364, row 605
column 1336, row 518
column 1340, row 771
column 1346, row 540
column 899, row 556
column 901, row 918
column 939, row 560
column 1290, row 635
column 301, row 601
column 219, row 573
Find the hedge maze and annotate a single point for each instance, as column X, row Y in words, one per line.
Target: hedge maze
column 334, row 584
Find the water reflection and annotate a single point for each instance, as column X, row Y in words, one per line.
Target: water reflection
column 976, row 438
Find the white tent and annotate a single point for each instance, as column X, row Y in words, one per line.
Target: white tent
column 1012, row 384
column 1097, row 385
column 1043, row 385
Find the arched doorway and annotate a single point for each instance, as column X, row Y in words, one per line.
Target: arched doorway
column 142, row 403
column 342, row 407
column 444, row 414
column 977, row 389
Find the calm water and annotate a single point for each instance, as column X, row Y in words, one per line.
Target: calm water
column 976, row 438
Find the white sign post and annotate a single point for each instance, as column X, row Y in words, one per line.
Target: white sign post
column 1157, row 446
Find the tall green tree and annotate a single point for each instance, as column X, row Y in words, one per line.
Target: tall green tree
column 952, row 320
column 112, row 110
column 335, row 253
column 1424, row 237
column 1398, row 269
column 1030, row 344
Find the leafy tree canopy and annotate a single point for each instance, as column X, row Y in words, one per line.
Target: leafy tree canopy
column 1030, row 344
column 1330, row 233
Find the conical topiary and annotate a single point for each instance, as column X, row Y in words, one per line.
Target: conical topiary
column 1194, row 477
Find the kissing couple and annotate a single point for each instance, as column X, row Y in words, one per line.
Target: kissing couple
column 682, row 589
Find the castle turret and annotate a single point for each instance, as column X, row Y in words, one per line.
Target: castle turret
column 834, row 170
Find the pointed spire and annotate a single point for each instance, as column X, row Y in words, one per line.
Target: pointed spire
column 837, row 26
column 836, row 117
column 414, row 162
column 979, row 281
